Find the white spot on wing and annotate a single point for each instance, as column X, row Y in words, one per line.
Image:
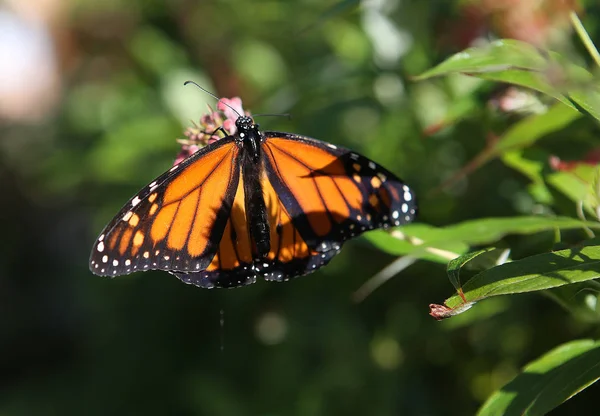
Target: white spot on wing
column 115, row 263
column 135, row 201
column 100, row 246
column 372, row 165
column 405, row 208
column 101, row 237
column 333, row 146
column 104, row 259
column 395, row 215
column 127, row 215
column 127, row 262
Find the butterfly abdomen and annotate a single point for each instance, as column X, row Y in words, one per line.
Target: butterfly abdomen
column 256, row 209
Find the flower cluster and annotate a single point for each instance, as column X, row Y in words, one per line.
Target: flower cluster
column 211, row 127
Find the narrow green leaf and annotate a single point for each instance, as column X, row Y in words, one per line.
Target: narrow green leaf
column 574, row 184
column 501, row 55
column 594, row 193
column 548, row 381
column 529, row 130
column 443, row 244
column 528, row 79
column 539, row 272
column 531, row 163
column 489, row 230
column 519, row 63
column 587, row 101
column 454, row 266
column 410, row 242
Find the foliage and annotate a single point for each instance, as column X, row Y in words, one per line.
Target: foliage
column 495, row 127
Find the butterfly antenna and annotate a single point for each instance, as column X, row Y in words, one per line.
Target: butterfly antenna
column 287, row 115
column 212, row 95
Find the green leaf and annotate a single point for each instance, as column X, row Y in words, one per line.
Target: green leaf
column 498, row 56
column 587, row 102
column 528, row 79
column 528, row 131
column 575, row 184
column 594, row 193
column 539, row 272
column 443, row 244
column 548, row 381
column 519, row 63
column 454, row 266
column 410, row 241
column 489, row 230
column 531, row 163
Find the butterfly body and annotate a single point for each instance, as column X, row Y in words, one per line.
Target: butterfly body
column 252, row 170
column 268, row 204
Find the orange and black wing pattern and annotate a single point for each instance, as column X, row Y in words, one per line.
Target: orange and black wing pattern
column 177, row 221
column 319, row 195
column 322, row 195
column 193, row 222
column 234, row 261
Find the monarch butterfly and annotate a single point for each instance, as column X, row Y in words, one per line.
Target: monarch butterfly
column 251, row 204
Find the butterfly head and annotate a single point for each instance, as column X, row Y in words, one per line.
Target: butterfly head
column 248, row 133
column 245, row 126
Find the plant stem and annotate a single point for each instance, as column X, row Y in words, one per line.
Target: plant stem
column 585, row 38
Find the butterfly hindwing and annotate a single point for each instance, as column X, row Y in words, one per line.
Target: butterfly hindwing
column 176, row 222
column 233, row 262
column 320, row 195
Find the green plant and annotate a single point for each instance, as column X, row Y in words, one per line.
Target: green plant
column 567, row 271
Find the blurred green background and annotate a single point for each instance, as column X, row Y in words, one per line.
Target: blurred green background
column 91, row 104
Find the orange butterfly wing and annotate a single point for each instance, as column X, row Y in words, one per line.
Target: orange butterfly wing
column 317, row 196
column 233, row 262
column 176, row 222
column 329, row 194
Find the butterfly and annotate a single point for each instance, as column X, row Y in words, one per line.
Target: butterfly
column 254, row 203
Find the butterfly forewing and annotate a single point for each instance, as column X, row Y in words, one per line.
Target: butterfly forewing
column 176, row 222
